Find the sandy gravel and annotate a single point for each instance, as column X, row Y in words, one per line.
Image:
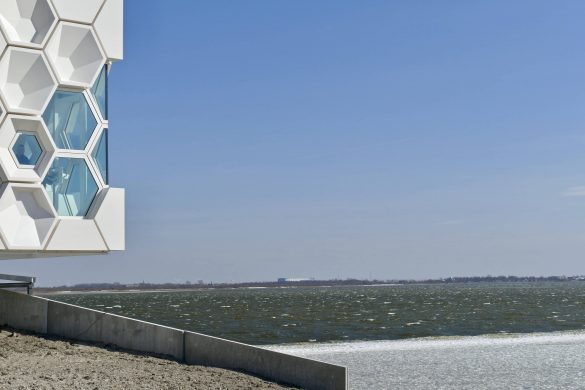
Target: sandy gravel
column 32, row 362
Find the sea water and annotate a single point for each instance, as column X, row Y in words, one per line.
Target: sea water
column 477, row 335
column 523, row 361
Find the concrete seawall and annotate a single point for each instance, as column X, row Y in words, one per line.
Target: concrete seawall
column 49, row 317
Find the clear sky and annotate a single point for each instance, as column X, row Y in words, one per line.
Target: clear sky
column 389, row 139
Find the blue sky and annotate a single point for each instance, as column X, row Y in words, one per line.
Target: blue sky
column 389, row 139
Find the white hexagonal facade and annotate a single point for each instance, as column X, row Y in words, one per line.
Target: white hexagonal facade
column 3, row 43
column 26, row 82
column 2, row 112
column 54, row 192
column 109, row 26
column 78, row 11
column 75, row 54
column 27, row 22
column 10, row 169
column 27, row 218
column 108, row 214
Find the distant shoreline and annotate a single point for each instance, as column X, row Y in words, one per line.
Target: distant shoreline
column 44, row 291
column 117, row 288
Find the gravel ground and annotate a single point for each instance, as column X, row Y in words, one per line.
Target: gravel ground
column 33, row 362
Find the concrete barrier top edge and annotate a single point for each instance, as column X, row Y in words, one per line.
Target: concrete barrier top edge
column 113, row 315
column 261, row 348
column 185, row 332
column 75, row 306
column 3, row 291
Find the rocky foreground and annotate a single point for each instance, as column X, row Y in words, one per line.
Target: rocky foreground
column 34, row 362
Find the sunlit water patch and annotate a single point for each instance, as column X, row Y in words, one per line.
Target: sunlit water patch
column 527, row 361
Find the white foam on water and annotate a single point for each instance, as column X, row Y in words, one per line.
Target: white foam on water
column 500, row 361
column 432, row 343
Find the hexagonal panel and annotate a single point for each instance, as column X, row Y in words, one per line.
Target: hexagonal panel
column 13, row 128
column 27, row 22
column 70, row 120
column 26, row 216
column 70, row 186
column 26, row 149
column 75, row 55
column 78, row 11
column 26, row 83
column 108, row 214
column 109, row 26
column 76, row 234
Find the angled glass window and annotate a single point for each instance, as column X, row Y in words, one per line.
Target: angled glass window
column 100, row 92
column 100, row 155
column 27, row 150
column 70, row 120
column 71, row 186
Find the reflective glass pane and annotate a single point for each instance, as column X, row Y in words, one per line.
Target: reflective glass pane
column 27, row 150
column 70, row 186
column 70, row 120
column 100, row 92
column 100, row 155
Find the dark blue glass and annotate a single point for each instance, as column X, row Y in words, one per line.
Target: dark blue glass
column 27, row 150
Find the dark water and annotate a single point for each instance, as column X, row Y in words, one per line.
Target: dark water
column 289, row 315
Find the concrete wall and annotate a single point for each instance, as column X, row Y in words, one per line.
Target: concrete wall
column 310, row 374
column 77, row 323
column 23, row 312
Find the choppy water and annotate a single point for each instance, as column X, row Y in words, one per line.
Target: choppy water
column 292, row 315
column 472, row 336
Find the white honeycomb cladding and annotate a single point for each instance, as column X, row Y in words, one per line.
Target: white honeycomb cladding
column 55, row 197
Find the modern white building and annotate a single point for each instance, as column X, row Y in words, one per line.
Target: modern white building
column 55, row 198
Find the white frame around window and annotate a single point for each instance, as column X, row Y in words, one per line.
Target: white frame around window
column 94, row 164
column 8, row 134
column 90, row 103
column 13, row 143
column 92, row 171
